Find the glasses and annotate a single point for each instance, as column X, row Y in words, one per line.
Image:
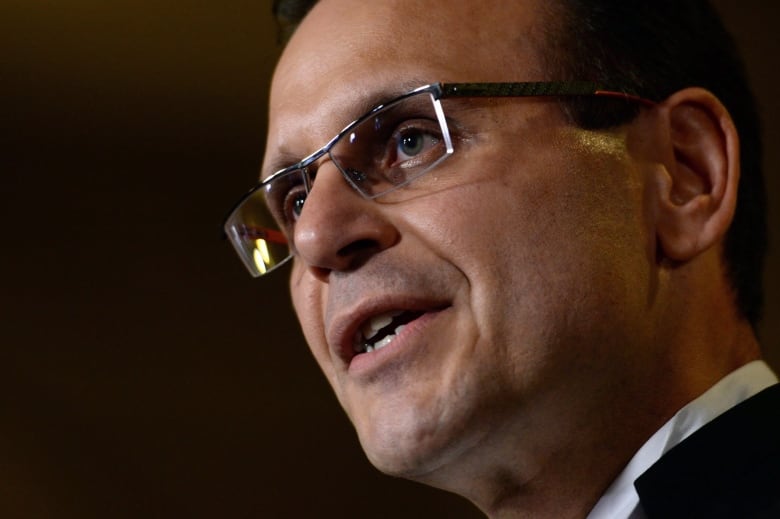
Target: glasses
column 379, row 153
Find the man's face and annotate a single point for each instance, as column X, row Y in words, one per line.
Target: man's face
column 521, row 266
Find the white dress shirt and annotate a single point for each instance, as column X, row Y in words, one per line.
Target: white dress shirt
column 621, row 501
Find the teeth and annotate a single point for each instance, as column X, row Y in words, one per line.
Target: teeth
column 362, row 342
column 372, row 326
column 367, row 348
column 384, row 342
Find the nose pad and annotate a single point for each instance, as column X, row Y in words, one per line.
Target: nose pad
column 338, row 229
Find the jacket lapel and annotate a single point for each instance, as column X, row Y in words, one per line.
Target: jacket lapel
column 728, row 468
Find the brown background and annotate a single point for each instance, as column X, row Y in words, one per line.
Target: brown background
column 142, row 372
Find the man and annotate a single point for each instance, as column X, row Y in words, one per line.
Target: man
column 527, row 293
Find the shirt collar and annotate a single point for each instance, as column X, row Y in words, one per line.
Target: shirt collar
column 621, row 501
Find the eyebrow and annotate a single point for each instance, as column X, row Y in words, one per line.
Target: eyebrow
column 280, row 161
column 358, row 108
column 366, row 103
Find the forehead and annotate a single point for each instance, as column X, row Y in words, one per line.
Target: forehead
column 347, row 54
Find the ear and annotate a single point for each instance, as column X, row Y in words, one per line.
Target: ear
column 698, row 186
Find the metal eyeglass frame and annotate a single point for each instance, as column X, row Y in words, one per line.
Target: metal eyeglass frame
column 438, row 91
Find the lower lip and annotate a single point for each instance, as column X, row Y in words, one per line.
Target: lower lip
column 409, row 341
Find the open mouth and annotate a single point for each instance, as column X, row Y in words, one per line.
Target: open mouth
column 381, row 330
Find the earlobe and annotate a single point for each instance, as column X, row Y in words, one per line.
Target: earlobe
column 697, row 191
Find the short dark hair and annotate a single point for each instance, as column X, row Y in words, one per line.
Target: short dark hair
column 288, row 14
column 655, row 49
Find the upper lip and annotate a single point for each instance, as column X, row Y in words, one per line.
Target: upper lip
column 347, row 323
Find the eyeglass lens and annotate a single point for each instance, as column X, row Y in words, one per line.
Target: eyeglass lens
column 380, row 152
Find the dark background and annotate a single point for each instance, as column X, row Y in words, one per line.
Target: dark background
column 142, row 372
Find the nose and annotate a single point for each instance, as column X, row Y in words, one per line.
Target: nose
column 338, row 229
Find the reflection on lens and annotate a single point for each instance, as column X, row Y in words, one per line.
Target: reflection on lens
column 261, row 256
column 262, row 246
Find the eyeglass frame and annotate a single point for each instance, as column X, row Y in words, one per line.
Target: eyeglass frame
column 438, row 91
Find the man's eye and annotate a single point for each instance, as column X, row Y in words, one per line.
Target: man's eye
column 414, row 142
column 412, row 147
column 293, row 204
column 411, row 144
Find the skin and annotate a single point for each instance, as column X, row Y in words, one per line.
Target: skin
column 571, row 285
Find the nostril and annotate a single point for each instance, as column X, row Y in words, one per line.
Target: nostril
column 358, row 246
column 359, row 251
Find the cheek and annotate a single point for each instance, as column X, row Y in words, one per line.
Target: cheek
column 556, row 231
column 308, row 306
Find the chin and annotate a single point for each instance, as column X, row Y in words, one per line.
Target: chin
column 400, row 459
column 412, row 446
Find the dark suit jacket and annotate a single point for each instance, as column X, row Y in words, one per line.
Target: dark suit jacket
column 730, row 468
